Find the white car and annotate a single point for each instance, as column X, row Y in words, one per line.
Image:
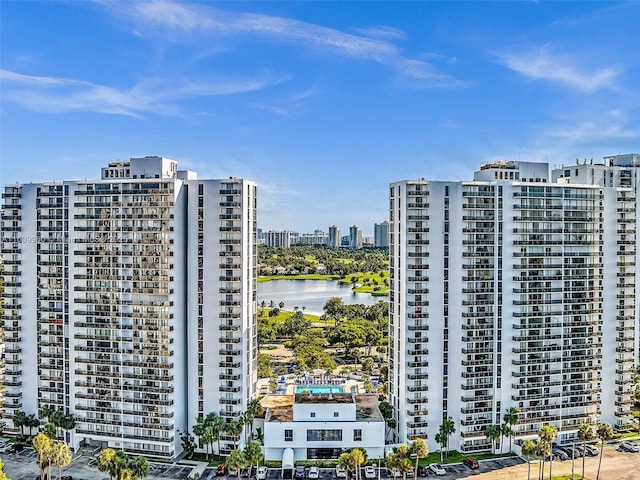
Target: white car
column 370, row 472
column 314, row 473
column 630, row 447
column 437, row 469
column 262, row 473
column 393, row 473
column 340, row 472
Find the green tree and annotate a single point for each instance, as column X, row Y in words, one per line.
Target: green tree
column 254, row 409
column 106, row 462
column 31, row 422
column 60, row 456
column 3, row 476
column 505, row 431
column 334, row 309
column 19, row 420
column 529, row 448
column 441, row 439
column 311, row 357
column 45, row 412
column 56, row 419
column 585, row 434
column 447, row 428
column 253, row 453
column 420, row 450
column 234, row 428
column 49, row 429
column 510, row 417
column 68, row 423
column 357, row 459
column 604, row 433
column 236, row 460
column 547, row 435
column 492, row 432
column 368, row 365
column 296, row 324
column 138, row 466
column 265, row 365
column 349, row 334
column 44, row 448
column 187, row 442
column 403, row 460
column 345, row 463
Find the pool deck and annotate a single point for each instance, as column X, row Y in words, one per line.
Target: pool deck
column 287, row 385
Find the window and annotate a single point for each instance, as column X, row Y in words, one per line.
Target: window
column 336, row 414
column 324, row 435
column 288, row 435
column 357, row 435
column 313, row 414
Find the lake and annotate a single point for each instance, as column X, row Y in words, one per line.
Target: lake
column 311, row 294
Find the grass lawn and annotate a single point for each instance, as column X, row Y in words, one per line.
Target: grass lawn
column 569, row 477
column 284, row 314
column 302, row 276
column 370, row 282
column 456, row 457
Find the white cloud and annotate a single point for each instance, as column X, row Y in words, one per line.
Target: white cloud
column 159, row 16
column 55, row 95
column 542, row 64
column 592, row 131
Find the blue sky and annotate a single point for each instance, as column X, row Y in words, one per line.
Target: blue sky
column 324, row 104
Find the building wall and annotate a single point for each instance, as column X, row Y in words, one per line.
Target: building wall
column 509, row 294
column 119, row 305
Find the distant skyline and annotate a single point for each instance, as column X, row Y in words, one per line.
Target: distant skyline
column 322, row 103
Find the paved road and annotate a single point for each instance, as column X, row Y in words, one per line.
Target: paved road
column 23, row 466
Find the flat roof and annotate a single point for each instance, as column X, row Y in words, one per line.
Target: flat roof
column 280, row 407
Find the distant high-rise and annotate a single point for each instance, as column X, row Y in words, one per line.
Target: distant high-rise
column 355, row 237
column 335, row 240
column 129, row 302
column 278, row 238
column 381, row 234
column 510, row 291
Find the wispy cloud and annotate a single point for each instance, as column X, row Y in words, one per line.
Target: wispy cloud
column 373, row 44
column 586, row 132
column 543, row 64
column 56, row 95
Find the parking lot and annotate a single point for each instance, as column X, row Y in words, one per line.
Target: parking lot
column 24, row 466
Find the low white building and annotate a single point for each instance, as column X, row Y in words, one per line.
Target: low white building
column 321, row 425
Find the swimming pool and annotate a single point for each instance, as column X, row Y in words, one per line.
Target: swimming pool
column 319, row 389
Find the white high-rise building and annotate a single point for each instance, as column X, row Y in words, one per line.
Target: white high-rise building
column 355, row 237
column 278, row 238
column 335, row 240
column 130, row 302
column 513, row 291
column 381, row 234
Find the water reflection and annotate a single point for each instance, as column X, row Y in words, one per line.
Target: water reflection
column 312, row 294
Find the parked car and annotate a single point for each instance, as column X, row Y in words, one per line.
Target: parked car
column 300, row 472
column 370, row 472
column 393, row 473
column 423, row 470
column 471, row 462
column 261, row 474
column 7, row 448
column 560, row 454
column 245, row 472
column 232, row 472
column 221, row 470
column 629, row 447
column 591, row 451
column 340, row 472
column 313, row 473
column 437, row 469
column 66, row 477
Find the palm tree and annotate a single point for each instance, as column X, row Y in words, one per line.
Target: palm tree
column 45, row 412
column 60, row 456
column 106, row 461
column 139, row 467
column 345, row 462
column 49, row 429
column 441, row 440
column 510, row 417
column 235, row 461
column 32, row 422
column 492, row 432
column 404, row 466
column 254, row 409
column 585, row 434
column 234, row 428
column 543, row 450
column 68, row 422
column 505, row 431
column 604, row 432
column 529, row 448
column 56, row 419
column 420, row 449
column 357, row 459
column 208, row 437
column 253, row 453
column 547, row 434
column 43, row 446
column 448, row 428
column 19, row 420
